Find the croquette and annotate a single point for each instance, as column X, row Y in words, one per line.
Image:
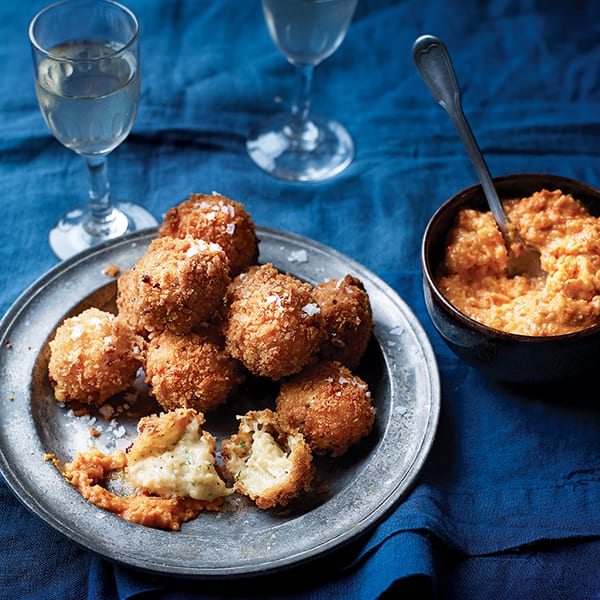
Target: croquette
column 175, row 285
column 173, row 457
column 347, row 318
column 218, row 219
column 273, row 324
column 268, row 464
column 93, row 356
column 89, row 469
column 191, row 370
column 170, row 465
column 329, row 405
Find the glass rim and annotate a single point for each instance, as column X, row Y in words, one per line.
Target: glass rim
column 35, row 43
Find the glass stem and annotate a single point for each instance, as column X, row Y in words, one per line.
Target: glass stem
column 303, row 132
column 99, row 190
column 101, row 211
column 301, row 107
column 103, row 220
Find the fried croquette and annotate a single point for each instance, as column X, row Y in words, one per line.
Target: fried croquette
column 329, row 405
column 176, row 285
column 191, row 370
column 93, row 356
column 173, row 457
column 218, row 219
column 273, row 324
column 347, row 318
column 268, row 464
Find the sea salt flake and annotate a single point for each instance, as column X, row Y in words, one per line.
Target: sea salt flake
column 212, row 247
column 299, row 256
column 311, row 309
column 77, row 332
column 227, row 209
column 120, row 431
column 122, row 444
column 230, row 228
column 192, row 251
column 274, row 299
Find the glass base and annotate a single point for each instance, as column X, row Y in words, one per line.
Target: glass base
column 75, row 230
column 323, row 150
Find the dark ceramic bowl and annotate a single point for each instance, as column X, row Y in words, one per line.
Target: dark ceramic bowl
column 504, row 356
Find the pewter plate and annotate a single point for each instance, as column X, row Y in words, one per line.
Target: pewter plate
column 354, row 492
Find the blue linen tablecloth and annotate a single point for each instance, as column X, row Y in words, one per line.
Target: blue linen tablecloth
column 507, row 504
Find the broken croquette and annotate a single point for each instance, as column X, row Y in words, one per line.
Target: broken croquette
column 268, row 463
column 173, row 457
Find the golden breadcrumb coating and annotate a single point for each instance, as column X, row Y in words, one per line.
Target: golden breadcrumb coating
column 330, row 406
column 176, row 285
column 173, row 457
column 268, row 464
column 217, row 219
column 347, row 317
column 191, row 370
column 273, row 324
column 93, row 356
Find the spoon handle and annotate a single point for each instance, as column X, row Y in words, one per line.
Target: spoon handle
column 433, row 63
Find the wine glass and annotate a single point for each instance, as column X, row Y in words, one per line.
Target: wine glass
column 301, row 146
column 87, row 81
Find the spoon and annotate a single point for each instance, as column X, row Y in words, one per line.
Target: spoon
column 434, row 64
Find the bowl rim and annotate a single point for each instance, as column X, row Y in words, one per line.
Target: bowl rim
column 460, row 198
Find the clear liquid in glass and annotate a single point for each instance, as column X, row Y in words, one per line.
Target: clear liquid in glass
column 308, row 31
column 89, row 106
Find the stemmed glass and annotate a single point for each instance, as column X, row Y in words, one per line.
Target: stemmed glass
column 87, row 80
column 301, row 146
